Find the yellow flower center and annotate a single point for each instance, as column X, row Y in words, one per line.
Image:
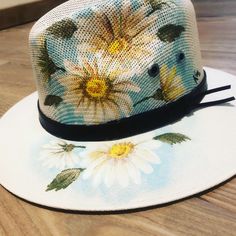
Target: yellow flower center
column 121, row 150
column 96, row 88
column 68, row 147
column 117, row 46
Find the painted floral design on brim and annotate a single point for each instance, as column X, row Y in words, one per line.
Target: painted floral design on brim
column 111, row 163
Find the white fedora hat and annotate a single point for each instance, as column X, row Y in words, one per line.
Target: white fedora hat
column 125, row 115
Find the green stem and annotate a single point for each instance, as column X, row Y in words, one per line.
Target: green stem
column 79, row 146
column 60, row 68
column 142, row 100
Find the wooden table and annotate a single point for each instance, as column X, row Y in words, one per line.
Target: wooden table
column 15, row 12
column 209, row 213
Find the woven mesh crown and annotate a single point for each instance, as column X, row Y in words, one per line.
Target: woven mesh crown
column 96, row 63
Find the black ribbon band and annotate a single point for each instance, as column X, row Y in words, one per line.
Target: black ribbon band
column 130, row 126
column 134, row 125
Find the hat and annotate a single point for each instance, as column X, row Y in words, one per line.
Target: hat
column 125, row 115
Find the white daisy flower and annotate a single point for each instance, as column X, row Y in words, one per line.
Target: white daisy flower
column 122, row 35
column 121, row 161
column 59, row 154
column 97, row 90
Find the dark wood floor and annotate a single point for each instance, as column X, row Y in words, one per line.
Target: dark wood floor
column 215, row 8
column 25, row 12
column 217, row 29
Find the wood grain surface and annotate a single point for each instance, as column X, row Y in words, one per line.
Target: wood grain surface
column 209, row 213
column 15, row 12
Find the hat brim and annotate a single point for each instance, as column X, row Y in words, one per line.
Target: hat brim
column 95, row 177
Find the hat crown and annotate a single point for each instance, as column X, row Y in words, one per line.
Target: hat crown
column 96, row 63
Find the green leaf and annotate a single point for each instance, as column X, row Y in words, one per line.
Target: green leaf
column 158, row 95
column 52, row 100
column 45, row 63
column 172, row 138
column 157, row 4
column 64, row 179
column 196, row 76
column 170, row 32
column 62, row 29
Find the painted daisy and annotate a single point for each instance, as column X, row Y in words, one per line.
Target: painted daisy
column 98, row 90
column 171, row 84
column 59, row 154
column 120, row 162
column 124, row 34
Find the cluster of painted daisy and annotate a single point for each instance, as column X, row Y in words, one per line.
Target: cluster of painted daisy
column 118, row 162
column 112, row 46
column 118, row 41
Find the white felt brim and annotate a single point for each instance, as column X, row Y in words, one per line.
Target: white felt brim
column 182, row 170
